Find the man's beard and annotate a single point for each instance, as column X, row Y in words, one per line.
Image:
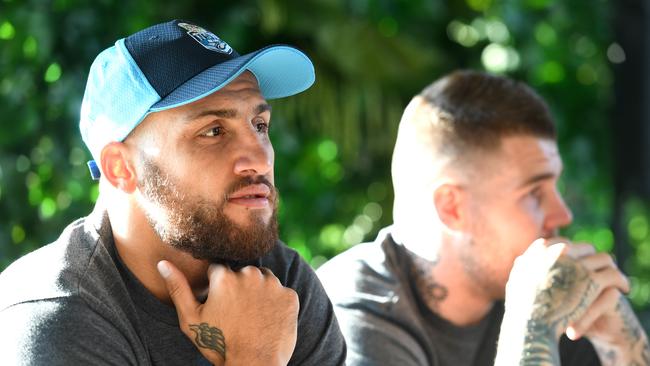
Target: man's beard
column 200, row 227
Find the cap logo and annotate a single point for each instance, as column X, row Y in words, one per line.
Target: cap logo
column 206, row 38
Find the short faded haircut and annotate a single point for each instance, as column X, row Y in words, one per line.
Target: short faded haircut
column 475, row 110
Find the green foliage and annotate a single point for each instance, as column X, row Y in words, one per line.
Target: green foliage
column 636, row 217
column 333, row 143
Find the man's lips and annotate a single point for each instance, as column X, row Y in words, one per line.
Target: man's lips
column 251, row 196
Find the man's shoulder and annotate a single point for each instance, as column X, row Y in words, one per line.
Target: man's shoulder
column 369, row 286
column 73, row 265
column 365, row 273
column 47, row 272
column 62, row 330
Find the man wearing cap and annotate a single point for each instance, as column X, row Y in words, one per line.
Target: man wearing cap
column 179, row 263
column 473, row 254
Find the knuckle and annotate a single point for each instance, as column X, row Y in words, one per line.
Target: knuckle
column 215, row 268
column 579, row 326
column 292, row 298
column 218, row 272
column 612, row 293
column 626, row 282
column 250, row 271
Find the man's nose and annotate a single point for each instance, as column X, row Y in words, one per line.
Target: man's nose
column 255, row 156
column 559, row 215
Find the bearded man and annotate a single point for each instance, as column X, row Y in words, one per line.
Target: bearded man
column 179, row 263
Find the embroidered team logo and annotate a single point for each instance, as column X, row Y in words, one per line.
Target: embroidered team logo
column 206, row 38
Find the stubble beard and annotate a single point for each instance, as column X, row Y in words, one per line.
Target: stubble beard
column 200, row 227
column 484, row 275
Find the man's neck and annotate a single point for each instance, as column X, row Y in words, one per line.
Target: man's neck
column 140, row 248
column 447, row 291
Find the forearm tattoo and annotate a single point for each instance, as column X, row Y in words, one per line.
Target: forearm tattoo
column 606, row 353
column 563, row 298
column 209, row 337
column 431, row 291
column 636, row 338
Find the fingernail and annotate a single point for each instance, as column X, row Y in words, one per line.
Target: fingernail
column 572, row 334
column 163, row 268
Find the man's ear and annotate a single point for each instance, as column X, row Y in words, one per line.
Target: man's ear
column 118, row 168
column 448, row 200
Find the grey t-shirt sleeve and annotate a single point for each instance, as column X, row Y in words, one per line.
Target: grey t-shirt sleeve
column 374, row 341
column 60, row 331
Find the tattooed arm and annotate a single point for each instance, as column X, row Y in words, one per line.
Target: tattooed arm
column 550, row 289
column 616, row 334
column 249, row 318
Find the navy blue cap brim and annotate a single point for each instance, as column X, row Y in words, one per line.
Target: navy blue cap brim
column 280, row 70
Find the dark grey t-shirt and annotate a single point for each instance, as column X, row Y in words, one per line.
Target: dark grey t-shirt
column 72, row 302
column 385, row 322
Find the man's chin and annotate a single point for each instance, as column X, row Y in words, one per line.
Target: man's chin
column 250, row 218
column 252, row 258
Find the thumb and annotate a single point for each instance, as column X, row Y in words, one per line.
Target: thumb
column 179, row 290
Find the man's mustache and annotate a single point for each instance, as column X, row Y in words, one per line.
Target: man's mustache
column 247, row 181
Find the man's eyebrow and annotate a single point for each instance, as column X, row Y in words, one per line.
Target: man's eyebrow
column 230, row 113
column 537, row 178
column 263, row 107
column 221, row 113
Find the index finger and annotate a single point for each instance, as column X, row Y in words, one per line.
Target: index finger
column 579, row 250
column 179, row 290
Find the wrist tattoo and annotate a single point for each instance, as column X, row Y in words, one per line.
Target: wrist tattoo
column 210, row 338
column 635, row 336
column 540, row 347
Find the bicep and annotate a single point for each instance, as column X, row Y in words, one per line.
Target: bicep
column 60, row 332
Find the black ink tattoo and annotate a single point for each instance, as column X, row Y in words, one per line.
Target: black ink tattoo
column 607, row 355
column 635, row 336
column 431, row 291
column 564, row 298
column 210, row 338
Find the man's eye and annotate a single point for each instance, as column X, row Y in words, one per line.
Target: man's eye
column 262, row 127
column 214, row 131
column 536, row 194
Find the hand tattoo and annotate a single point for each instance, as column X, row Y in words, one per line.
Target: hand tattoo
column 566, row 294
column 563, row 298
column 210, row 338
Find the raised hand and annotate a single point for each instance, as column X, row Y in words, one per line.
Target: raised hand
column 552, row 286
column 249, row 318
